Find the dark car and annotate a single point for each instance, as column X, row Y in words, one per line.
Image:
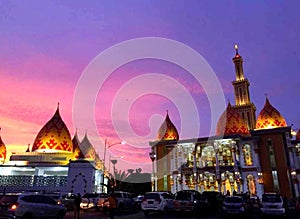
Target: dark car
column 68, row 200
column 189, row 201
column 137, row 201
column 297, row 204
column 234, row 205
column 214, row 199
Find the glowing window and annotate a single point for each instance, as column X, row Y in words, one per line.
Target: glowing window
column 251, row 184
column 247, row 155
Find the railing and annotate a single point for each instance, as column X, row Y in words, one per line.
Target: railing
column 33, row 181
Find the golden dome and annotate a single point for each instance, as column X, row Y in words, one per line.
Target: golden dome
column 53, row 137
column 167, row 130
column 87, row 148
column 2, row 150
column 231, row 123
column 269, row 117
column 98, row 162
column 76, row 149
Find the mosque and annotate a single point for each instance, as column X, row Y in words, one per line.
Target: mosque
column 248, row 154
column 55, row 163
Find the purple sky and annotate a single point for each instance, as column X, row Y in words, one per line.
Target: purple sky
column 47, row 45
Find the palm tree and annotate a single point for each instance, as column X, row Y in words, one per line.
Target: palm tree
column 117, row 179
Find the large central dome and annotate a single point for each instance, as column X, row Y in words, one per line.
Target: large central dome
column 53, row 137
column 231, row 123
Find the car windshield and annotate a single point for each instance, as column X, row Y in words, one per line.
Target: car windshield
column 271, row 198
column 233, row 200
column 90, row 196
column 7, row 199
column 152, row 196
column 183, row 196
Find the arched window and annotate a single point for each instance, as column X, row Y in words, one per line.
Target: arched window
column 208, row 156
column 247, row 155
column 251, row 184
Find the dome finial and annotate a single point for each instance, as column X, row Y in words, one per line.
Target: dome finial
column 28, row 148
column 236, row 49
column 57, row 105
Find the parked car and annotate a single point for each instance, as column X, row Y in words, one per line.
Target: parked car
column 91, row 200
column 272, row 204
column 138, row 201
column 213, row 199
column 103, row 197
column 68, row 200
column 125, row 200
column 297, row 204
column 234, row 205
column 189, row 201
column 28, row 206
column 157, row 202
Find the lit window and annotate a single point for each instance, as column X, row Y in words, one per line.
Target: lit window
column 247, row 155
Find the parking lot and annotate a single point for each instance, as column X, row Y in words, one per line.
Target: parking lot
column 170, row 215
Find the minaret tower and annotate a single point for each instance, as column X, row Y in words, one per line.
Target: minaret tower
column 243, row 104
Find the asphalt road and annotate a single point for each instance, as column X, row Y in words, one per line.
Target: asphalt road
column 140, row 215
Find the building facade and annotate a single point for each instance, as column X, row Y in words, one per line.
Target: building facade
column 247, row 154
column 54, row 163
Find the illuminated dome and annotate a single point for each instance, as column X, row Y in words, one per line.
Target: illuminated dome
column 167, row 130
column 231, row 123
column 76, row 149
column 98, row 162
column 87, row 148
column 269, row 117
column 298, row 135
column 53, row 137
column 2, row 150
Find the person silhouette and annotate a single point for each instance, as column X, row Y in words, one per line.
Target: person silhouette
column 77, row 202
column 113, row 203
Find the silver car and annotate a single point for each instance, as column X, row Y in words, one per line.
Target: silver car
column 272, row 204
column 30, row 206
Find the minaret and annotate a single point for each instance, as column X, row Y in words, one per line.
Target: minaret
column 243, row 104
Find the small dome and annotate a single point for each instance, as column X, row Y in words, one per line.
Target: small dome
column 167, row 130
column 76, row 149
column 87, row 148
column 269, row 117
column 298, row 135
column 231, row 123
column 53, row 137
column 2, row 150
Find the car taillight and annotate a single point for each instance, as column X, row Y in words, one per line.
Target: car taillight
column 13, row 206
column 158, row 200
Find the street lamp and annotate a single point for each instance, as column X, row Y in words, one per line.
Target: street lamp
column 107, row 145
column 152, row 156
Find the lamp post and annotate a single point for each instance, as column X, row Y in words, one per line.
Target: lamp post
column 107, row 145
column 152, row 156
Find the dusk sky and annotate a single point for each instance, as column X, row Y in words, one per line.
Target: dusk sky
column 47, row 49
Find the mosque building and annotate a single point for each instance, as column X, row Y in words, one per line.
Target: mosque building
column 247, row 154
column 55, row 163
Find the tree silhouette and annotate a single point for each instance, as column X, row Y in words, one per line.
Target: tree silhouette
column 133, row 181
